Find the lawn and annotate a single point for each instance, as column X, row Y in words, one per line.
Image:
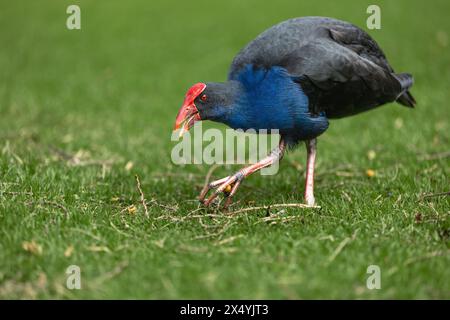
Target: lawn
column 82, row 112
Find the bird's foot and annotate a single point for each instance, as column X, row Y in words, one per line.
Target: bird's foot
column 310, row 201
column 228, row 186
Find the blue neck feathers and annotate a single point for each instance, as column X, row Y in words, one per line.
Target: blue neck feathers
column 270, row 99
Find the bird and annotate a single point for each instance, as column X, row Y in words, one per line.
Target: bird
column 295, row 77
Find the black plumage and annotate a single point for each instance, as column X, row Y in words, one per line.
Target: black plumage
column 339, row 66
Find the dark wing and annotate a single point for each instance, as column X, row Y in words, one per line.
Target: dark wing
column 339, row 66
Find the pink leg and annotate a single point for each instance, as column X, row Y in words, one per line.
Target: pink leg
column 235, row 180
column 311, row 158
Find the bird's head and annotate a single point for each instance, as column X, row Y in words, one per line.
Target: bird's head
column 189, row 114
column 212, row 101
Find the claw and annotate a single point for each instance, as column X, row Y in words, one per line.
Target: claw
column 227, row 186
column 210, row 186
column 231, row 194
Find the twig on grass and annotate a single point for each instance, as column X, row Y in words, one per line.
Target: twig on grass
column 434, row 156
column 144, row 204
column 277, row 218
column 341, row 246
column 432, row 195
column 413, row 260
column 51, row 203
column 228, row 240
column 277, row 205
column 429, row 255
column 215, row 234
column 232, row 214
column 95, row 248
column 58, row 205
column 208, row 215
column 16, row 193
column 111, row 274
column 171, row 208
column 204, row 236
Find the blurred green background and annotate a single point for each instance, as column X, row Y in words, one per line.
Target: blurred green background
column 83, row 111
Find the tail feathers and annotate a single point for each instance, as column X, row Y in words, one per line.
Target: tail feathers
column 406, row 81
column 407, row 100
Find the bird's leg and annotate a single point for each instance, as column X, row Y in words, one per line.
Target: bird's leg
column 231, row 183
column 309, row 184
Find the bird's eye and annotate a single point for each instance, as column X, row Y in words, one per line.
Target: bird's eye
column 204, row 98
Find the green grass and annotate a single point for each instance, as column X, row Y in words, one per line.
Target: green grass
column 108, row 94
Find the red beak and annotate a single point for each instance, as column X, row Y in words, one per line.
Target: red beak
column 188, row 114
column 186, row 118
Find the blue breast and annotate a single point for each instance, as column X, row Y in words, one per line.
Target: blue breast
column 272, row 100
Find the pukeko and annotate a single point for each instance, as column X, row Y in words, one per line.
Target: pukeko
column 294, row 77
